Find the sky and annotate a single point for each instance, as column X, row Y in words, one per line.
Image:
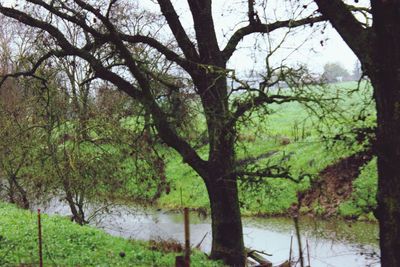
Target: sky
column 311, row 53
column 231, row 14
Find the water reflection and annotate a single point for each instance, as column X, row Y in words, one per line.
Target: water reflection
column 331, row 243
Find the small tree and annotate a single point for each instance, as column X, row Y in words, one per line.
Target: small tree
column 334, row 72
column 357, row 71
column 19, row 131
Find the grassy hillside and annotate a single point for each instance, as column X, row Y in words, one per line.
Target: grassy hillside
column 295, row 136
column 363, row 196
column 68, row 244
column 304, row 138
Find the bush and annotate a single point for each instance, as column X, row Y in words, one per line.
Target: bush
column 363, row 198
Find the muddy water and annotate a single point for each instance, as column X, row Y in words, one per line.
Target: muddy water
column 330, row 243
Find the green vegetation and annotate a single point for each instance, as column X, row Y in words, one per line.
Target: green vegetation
column 135, row 166
column 288, row 131
column 68, row 244
column 272, row 196
column 294, row 137
column 362, row 201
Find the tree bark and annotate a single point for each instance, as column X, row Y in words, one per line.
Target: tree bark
column 378, row 49
column 24, row 202
column 220, row 178
column 385, row 78
column 227, row 233
column 388, row 154
column 16, row 189
column 77, row 214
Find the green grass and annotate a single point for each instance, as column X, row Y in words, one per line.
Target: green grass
column 187, row 187
column 261, row 133
column 362, row 201
column 68, row 244
column 303, row 152
column 274, row 196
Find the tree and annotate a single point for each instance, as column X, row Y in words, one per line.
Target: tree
column 378, row 48
column 334, row 72
column 15, row 146
column 357, row 71
column 202, row 60
column 85, row 147
column 18, row 130
column 55, row 136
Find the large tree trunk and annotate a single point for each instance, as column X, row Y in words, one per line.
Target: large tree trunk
column 378, row 48
column 220, row 178
column 388, row 152
column 227, row 233
column 385, row 77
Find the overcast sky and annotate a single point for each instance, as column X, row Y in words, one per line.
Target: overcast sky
column 312, row 53
column 229, row 13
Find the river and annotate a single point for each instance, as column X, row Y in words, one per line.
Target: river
column 330, row 243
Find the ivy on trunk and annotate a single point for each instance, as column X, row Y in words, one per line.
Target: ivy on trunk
column 378, row 48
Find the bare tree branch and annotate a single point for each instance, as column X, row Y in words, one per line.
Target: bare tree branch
column 339, row 14
column 274, row 171
column 169, row 54
column 74, row 19
column 262, row 99
column 166, row 132
column 264, row 28
column 205, row 31
column 32, row 71
column 177, row 29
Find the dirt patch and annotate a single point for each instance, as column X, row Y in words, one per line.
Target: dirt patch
column 169, row 245
column 334, row 185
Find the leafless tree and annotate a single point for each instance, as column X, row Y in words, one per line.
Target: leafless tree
column 109, row 35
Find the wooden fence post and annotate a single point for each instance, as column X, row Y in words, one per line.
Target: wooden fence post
column 187, row 237
column 40, row 240
column 291, row 245
column 308, row 253
column 184, row 261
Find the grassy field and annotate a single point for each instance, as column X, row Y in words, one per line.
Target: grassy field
column 304, row 138
column 294, row 134
column 68, row 244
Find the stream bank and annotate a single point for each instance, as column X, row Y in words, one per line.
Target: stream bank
column 331, row 242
